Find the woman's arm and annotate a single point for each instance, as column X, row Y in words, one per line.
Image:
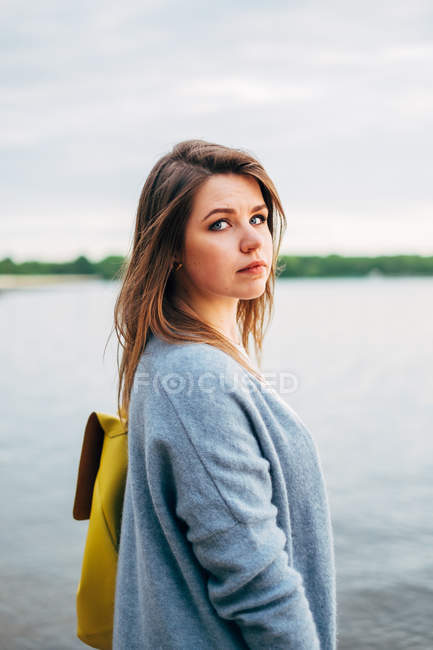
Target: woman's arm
column 223, row 492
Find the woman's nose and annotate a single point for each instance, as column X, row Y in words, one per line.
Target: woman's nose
column 251, row 238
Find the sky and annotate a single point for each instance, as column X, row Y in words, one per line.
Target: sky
column 334, row 98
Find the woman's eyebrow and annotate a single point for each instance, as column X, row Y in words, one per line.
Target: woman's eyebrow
column 231, row 211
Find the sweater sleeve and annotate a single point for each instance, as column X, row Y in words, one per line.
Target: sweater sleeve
column 223, row 493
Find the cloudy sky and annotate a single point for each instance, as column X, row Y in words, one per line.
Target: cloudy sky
column 335, row 99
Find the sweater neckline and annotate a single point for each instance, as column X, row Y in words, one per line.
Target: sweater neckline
column 242, row 350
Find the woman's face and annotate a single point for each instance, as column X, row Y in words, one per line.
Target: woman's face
column 218, row 245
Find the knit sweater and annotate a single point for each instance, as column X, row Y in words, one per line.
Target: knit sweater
column 226, row 539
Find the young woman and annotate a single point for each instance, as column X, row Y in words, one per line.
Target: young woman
column 226, row 540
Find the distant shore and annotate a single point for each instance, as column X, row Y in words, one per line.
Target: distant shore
column 11, row 281
column 34, row 273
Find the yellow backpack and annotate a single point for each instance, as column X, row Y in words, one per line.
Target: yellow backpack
column 99, row 498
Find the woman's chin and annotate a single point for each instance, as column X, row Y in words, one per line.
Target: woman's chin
column 249, row 293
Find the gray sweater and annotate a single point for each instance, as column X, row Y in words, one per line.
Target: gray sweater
column 226, row 539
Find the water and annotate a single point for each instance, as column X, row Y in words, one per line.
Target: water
column 361, row 351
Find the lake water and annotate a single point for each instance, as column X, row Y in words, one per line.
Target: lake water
column 361, row 351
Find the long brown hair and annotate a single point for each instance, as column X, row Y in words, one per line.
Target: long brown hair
column 145, row 301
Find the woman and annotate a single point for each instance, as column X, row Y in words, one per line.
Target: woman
column 226, row 540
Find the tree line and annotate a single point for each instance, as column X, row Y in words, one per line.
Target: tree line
column 288, row 266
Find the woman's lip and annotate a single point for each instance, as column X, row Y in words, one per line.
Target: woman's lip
column 257, row 268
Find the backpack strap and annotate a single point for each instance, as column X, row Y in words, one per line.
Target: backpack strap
column 89, row 464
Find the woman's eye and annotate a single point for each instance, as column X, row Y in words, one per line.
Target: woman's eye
column 256, row 216
column 215, row 223
column 261, row 217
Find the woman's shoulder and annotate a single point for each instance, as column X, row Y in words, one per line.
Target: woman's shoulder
column 187, row 358
column 191, row 374
column 202, row 384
